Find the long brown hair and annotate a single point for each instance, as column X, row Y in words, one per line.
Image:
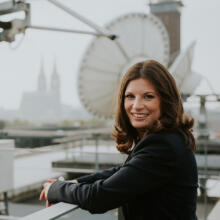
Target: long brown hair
column 172, row 113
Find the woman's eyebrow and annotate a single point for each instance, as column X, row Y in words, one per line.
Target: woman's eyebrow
column 153, row 92
column 126, row 92
column 145, row 92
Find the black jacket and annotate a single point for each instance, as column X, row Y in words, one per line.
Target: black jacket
column 158, row 181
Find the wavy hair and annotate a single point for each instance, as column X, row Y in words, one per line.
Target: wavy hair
column 172, row 112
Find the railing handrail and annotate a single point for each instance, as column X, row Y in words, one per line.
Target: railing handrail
column 52, row 212
column 9, row 217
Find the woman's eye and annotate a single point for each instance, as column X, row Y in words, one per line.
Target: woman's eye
column 148, row 96
column 129, row 96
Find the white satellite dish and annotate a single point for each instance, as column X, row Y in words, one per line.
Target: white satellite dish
column 181, row 69
column 140, row 37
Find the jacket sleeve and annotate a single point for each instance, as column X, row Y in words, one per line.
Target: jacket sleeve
column 104, row 174
column 150, row 168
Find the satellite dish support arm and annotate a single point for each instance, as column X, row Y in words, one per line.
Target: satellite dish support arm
column 10, row 29
column 101, row 31
column 64, row 30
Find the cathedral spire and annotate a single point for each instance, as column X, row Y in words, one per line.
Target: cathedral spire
column 42, row 85
column 55, row 81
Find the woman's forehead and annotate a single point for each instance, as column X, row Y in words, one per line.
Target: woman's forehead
column 140, row 84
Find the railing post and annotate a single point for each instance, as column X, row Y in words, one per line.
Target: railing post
column 5, row 195
column 96, row 152
column 6, row 169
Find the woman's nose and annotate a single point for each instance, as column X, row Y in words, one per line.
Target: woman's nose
column 138, row 104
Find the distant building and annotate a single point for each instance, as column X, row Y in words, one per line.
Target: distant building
column 44, row 104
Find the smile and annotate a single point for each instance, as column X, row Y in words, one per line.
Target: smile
column 140, row 115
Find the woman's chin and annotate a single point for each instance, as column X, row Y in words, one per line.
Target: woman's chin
column 140, row 124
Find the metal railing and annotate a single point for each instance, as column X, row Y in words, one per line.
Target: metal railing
column 51, row 213
column 60, row 209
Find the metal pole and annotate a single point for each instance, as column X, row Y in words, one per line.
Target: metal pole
column 96, row 153
column 205, row 180
column 100, row 30
column 6, row 203
column 64, row 30
column 66, row 149
column 204, row 135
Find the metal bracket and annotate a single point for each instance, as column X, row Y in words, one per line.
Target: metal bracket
column 16, row 26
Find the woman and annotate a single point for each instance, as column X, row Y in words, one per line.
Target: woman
column 159, row 178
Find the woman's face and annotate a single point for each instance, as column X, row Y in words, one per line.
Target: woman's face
column 141, row 103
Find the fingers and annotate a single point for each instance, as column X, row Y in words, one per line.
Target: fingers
column 51, row 180
column 42, row 194
column 61, row 178
column 47, row 204
column 44, row 191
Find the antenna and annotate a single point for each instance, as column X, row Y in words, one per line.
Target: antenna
column 11, row 28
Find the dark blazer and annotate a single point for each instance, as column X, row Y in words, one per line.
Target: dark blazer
column 158, row 181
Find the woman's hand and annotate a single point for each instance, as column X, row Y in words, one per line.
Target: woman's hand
column 47, row 185
column 45, row 190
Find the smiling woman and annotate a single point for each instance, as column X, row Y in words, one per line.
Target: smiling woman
column 142, row 104
column 149, row 88
column 159, row 178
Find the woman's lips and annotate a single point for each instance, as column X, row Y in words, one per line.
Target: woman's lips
column 139, row 116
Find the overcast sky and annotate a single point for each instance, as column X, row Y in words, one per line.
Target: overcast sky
column 20, row 67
